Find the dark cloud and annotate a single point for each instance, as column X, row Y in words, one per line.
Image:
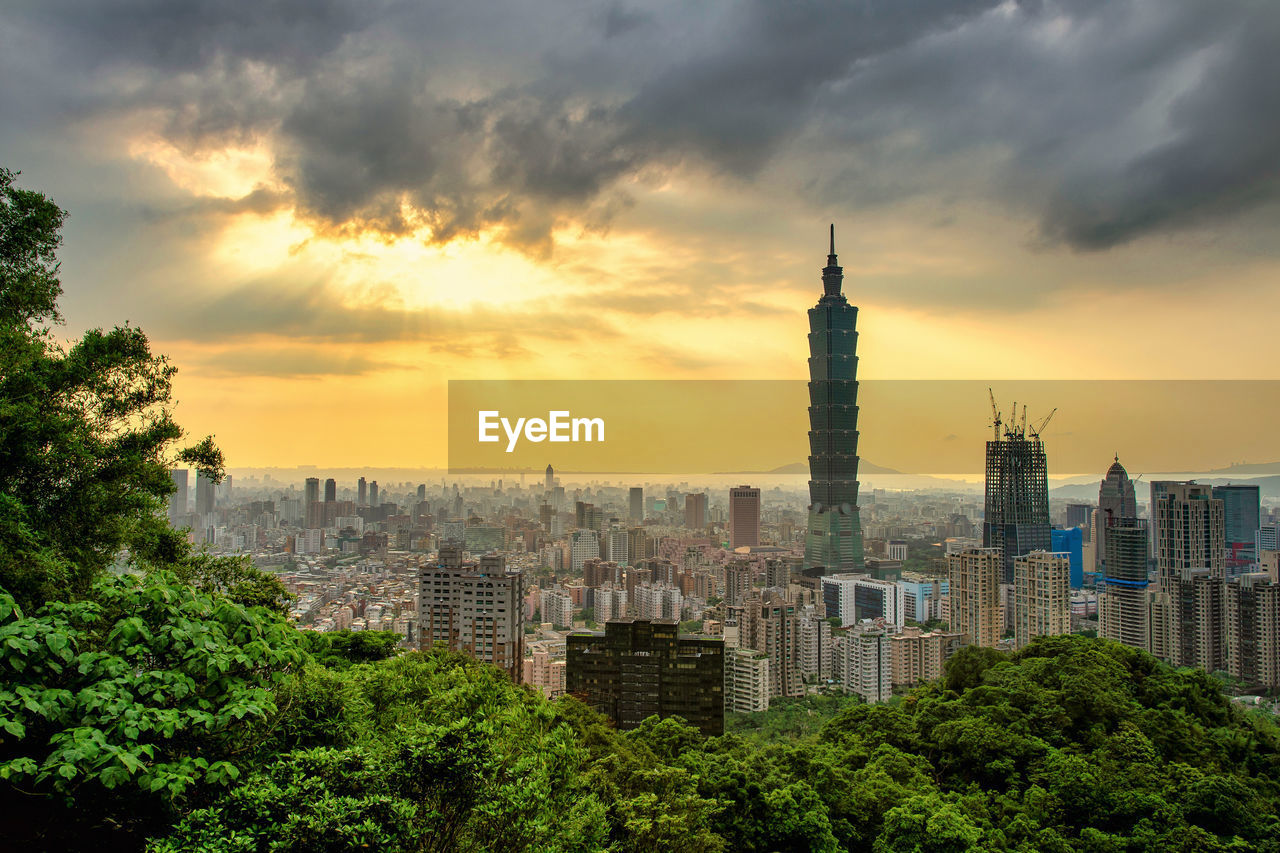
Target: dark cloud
column 1104, row 122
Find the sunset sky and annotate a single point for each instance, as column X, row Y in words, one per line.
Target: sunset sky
column 323, row 210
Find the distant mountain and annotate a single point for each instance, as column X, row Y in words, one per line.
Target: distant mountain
column 864, row 467
column 1259, row 469
column 1088, row 492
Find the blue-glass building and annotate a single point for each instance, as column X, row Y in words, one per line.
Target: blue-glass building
column 1070, row 542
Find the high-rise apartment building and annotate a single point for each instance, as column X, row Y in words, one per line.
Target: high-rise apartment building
column 918, row 656
column 362, row 492
column 373, row 497
column 772, row 627
column 746, row 681
column 744, row 517
column 330, row 490
column 737, row 582
column 475, row 608
column 556, row 607
column 636, row 499
column 695, row 511
column 1122, row 593
column 1016, row 514
column 833, row 539
column 1041, row 597
column 657, row 601
column 973, row 582
column 610, row 602
column 636, row 669
column 1251, row 630
column 311, row 491
column 1186, row 610
column 863, row 663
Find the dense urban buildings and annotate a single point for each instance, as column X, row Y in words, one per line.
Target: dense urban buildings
column 637, row 668
column 833, row 541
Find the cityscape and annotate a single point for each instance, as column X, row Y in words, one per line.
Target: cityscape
column 771, row 593
column 603, row 426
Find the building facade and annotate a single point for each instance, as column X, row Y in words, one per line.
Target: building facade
column 474, row 608
column 636, row 669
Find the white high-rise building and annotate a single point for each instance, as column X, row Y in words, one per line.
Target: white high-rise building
column 746, row 681
column 863, row 662
column 583, row 546
column 1042, row 596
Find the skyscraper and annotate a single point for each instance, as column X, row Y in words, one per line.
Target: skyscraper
column 833, row 540
column 1122, row 595
column 362, row 492
column 330, row 490
column 695, row 511
column 744, row 517
column 204, row 496
column 1186, row 612
column 1016, row 517
column 1116, row 501
column 1242, row 517
column 373, row 493
column 178, row 498
column 551, row 478
column 636, row 496
column 311, row 492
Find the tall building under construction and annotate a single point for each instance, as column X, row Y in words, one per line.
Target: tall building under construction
column 833, row 542
column 1016, row 517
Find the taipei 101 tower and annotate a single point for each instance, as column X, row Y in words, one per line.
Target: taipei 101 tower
column 834, row 539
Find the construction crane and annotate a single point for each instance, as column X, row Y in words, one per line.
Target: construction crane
column 1022, row 427
column 995, row 413
column 1035, row 433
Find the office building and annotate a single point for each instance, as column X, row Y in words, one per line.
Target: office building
column 362, row 492
column 474, row 608
column 311, row 491
column 204, row 497
column 330, row 490
column 1242, row 519
column 1042, row 596
column 1116, row 500
column 695, row 511
column 636, row 500
column 636, row 669
column 178, row 498
column 550, row 483
column 833, row 539
column 744, row 517
column 1071, row 543
column 973, row 579
column 922, row 596
column 855, row 597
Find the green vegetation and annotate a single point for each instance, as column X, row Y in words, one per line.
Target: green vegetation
column 173, row 708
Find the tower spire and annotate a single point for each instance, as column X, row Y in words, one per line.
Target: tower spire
column 833, row 273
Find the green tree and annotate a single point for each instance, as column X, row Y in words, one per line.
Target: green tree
column 86, row 432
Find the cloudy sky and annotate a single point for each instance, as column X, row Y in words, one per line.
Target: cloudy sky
column 324, row 209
